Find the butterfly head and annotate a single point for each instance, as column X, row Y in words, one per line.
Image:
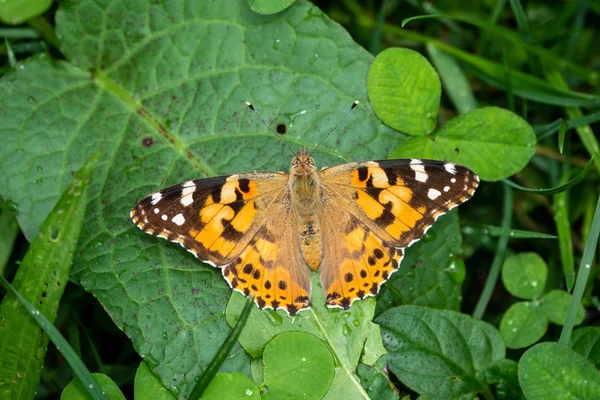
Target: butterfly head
column 302, row 163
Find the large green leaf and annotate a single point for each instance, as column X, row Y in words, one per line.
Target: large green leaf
column 554, row 371
column 439, row 353
column 162, row 87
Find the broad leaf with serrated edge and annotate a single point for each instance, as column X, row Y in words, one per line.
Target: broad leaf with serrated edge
column 439, row 352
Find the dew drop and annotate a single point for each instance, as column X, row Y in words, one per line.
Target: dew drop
column 303, row 359
column 249, row 392
column 91, row 386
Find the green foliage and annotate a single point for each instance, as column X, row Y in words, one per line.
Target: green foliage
column 524, row 323
column 160, row 88
column 41, row 280
column 405, row 91
column 297, row 366
column 551, row 370
column 439, row 352
column 15, row 12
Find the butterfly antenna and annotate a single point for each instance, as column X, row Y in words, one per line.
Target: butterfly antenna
column 251, row 107
column 352, row 107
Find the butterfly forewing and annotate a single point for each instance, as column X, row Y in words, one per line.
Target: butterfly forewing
column 399, row 200
column 237, row 223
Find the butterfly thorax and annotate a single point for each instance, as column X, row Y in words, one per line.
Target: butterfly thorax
column 305, row 198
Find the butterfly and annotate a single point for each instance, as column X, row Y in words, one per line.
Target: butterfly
column 266, row 231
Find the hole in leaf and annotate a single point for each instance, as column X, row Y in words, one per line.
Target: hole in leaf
column 281, row 129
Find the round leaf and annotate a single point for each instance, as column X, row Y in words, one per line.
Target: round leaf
column 554, row 371
column 267, row 7
column 555, row 305
column 404, row 91
column 524, row 275
column 148, row 386
column 235, row 386
column 523, row 325
column 15, row 12
column 76, row 391
column 439, row 352
column 493, row 142
column 298, row 365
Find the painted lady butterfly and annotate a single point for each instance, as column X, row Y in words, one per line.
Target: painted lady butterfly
column 265, row 231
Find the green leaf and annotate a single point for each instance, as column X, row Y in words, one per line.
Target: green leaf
column 297, row 366
column 375, row 380
column 267, row 7
column 522, row 325
column 83, row 374
column 41, row 279
column 228, row 345
column 439, row 352
column 504, row 375
column 524, row 275
column 76, row 391
column 405, row 91
column 166, row 101
column 473, row 139
column 554, row 371
column 555, row 305
column 432, row 270
column 344, row 332
column 15, row 12
column 499, row 231
column 586, row 341
column 148, row 386
column 235, row 386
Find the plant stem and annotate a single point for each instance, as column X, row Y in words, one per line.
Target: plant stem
column 492, row 278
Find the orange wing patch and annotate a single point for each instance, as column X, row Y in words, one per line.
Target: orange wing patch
column 368, row 264
column 262, row 271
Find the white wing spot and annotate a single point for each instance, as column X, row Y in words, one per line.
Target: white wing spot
column 450, row 168
column 186, row 194
column 156, row 210
column 415, row 161
column 189, row 184
column 186, row 201
column 446, row 188
column 164, row 217
column 156, row 198
column 433, row 194
column 420, row 174
column 453, row 180
column 179, row 219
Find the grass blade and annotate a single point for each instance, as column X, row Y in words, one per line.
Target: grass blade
column 500, row 231
column 223, row 352
column 492, row 278
column 582, row 276
column 556, row 189
column 10, row 230
column 61, row 344
column 41, row 279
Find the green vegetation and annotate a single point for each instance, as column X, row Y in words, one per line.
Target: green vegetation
column 102, row 103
